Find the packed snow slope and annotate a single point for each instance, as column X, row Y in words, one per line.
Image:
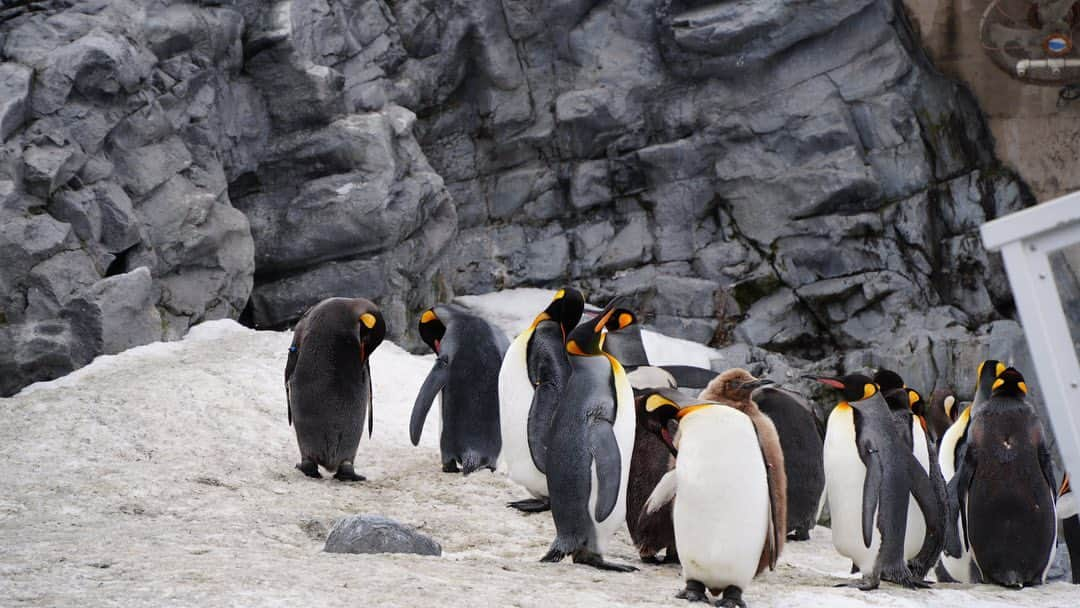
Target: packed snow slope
column 163, row 476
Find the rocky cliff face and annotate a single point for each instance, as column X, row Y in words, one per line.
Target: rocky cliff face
column 773, row 175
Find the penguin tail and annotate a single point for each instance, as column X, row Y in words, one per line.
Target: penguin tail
column 1011, row 579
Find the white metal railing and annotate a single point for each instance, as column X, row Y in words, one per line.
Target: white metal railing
column 1026, row 239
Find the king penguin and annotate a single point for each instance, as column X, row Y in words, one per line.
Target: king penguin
column 469, row 351
column 1005, row 490
column 925, row 534
column 589, row 446
column 868, row 478
column 328, row 383
column 533, row 375
column 653, row 457
column 956, row 561
column 727, row 526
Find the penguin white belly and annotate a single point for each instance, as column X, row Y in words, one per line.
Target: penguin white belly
column 625, row 422
column 958, row 567
column 844, row 477
column 515, row 399
column 721, row 513
column 916, row 522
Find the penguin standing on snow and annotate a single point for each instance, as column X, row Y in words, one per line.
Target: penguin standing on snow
column 727, row 527
column 925, row 533
column 328, row 383
column 801, row 439
column 652, row 459
column 869, row 474
column 733, row 387
column 957, row 563
column 589, row 446
column 532, row 377
column 468, row 351
column 1005, row 490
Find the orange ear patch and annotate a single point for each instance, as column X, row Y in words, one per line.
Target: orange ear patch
column 428, row 316
column 625, row 319
column 368, row 320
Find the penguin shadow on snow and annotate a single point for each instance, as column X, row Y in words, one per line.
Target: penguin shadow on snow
column 469, row 351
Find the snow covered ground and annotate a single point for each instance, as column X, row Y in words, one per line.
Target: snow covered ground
column 163, row 476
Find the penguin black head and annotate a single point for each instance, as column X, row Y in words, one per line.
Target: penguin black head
column 1009, row 383
column 662, row 408
column 915, row 402
column 432, row 329
column 887, row 380
column 896, row 398
column 588, row 338
column 565, row 309
column 854, row 387
column 370, row 326
column 734, row 384
column 662, row 420
column 988, row 371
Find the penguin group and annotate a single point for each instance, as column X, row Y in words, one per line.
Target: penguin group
column 718, row 471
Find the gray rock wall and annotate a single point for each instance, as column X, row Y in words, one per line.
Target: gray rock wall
column 791, row 176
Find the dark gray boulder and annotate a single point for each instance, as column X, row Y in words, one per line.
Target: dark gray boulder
column 377, row 534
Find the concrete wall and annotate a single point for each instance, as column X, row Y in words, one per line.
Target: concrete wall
column 1033, row 135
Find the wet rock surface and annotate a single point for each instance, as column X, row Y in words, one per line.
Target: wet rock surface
column 811, row 187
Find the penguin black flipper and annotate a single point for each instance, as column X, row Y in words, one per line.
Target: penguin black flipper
column 965, row 472
column 435, row 381
column 875, row 473
column 549, row 370
column 1047, row 466
column 930, row 502
column 371, row 404
column 290, row 363
column 605, row 453
column 689, row 376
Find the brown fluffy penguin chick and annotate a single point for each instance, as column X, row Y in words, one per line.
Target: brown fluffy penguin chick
column 733, row 388
column 651, row 460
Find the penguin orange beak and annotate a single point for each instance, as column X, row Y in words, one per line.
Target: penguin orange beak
column 827, row 381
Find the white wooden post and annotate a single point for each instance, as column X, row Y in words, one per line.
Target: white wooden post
column 1026, row 239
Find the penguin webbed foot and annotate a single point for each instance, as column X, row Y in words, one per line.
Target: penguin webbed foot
column 652, row 560
column 903, row 577
column 588, row 558
column 345, row 472
column 553, row 555
column 694, row 592
column 672, row 556
column 732, row 598
column 309, row 468
column 450, row 467
column 530, row 505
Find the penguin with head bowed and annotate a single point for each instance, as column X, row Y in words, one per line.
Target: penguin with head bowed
column 728, row 527
column 652, row 459
column 734, row 388
column 589, row 445
column 957, row 563
column 532, row 377
column 328, row 383
column 469, row 351
column 925, row 532
column 868, row 478
column 1004, row 487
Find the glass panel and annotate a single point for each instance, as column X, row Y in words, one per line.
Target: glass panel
column 1065, row 264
